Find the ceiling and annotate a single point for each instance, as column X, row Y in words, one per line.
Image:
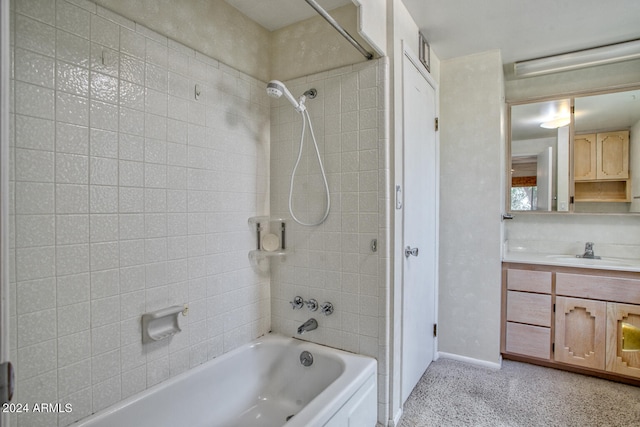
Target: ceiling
column 275, row 14
column 523, row 29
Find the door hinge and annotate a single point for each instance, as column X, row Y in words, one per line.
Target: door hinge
column 435, row 330
column 571, row 200
column 554, row 308
column 437, row 125
column 7, row 382
column 553, row 347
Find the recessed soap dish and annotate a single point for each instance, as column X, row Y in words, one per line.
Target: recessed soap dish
column 160, row 324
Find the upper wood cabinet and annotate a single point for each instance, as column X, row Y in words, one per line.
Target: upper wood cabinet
column 601, row 156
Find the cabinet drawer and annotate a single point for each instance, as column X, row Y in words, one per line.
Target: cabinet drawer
column 524, row 307
column 528, row 340
column 598, row 287
column 530, row 281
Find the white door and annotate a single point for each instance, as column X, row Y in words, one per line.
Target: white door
column 544, row 179
column 420, row 222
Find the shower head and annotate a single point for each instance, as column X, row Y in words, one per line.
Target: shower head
column 276, row 89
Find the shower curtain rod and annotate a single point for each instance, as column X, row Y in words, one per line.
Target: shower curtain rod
column 339, row 28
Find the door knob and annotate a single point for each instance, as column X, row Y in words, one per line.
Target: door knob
column 408, row 251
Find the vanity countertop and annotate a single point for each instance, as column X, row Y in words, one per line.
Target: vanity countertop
column 613, row 257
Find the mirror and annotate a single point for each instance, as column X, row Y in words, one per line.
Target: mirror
column 588, row 161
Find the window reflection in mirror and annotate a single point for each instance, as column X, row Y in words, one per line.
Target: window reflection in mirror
column 539, row 155
column 603, row 136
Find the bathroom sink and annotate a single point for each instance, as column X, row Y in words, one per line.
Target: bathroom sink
column 605, row 261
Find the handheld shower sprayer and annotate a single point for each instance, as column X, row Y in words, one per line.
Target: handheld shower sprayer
column 275, row 89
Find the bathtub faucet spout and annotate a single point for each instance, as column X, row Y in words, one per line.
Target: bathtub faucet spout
column 309, row 325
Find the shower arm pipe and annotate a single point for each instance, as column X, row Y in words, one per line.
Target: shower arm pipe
column 339, row 28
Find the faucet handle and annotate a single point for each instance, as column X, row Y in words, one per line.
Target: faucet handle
column 297, row 303
column 312, row 304
column 326, row 308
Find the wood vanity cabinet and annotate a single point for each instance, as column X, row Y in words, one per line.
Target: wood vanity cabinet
column 573, row 318
column 601, row 167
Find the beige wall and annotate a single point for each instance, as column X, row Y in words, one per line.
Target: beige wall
column 212, row 27
column 471, row 147
column 312, row 45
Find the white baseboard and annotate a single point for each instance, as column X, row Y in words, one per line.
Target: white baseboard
column 471, row 360
column 396, row 419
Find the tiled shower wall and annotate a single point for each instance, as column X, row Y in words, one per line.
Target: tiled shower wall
column 129, row 194
column 334, row 261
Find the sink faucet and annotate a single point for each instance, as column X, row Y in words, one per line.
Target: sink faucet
column 309, row 325
column 588, row 251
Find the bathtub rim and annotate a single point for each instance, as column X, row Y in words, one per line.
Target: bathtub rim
column 357, row 370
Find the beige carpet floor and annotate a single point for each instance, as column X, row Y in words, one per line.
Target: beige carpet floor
column 453, row 393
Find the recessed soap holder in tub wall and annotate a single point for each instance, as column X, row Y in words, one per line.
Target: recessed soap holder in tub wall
column 160, row 324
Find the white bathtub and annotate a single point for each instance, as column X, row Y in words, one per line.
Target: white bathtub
column 260, row 384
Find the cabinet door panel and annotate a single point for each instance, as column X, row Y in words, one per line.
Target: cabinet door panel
column 584, row 157
column 623, row 339
column 580, row 332
column 613, row 155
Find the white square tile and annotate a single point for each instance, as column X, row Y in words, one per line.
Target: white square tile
column 72, row 49
column 155, row 176
column 34, row 68
column 106, row 393
column 155, row 250
column 34, row 133
column 105, row 283
column 131, row 227
column 72, row 139
column 155, row 126
column 72, row 109
column 74, row 348
column 104, row 88
column 104, row 143
column 155, row 225
column 35, row 295
column 178, row 108
column 104, row 228
column 105, row 256
column 35, row 263
column 35, row 230
column 131, row 174
column 176, row 176
column 131, row 147
column 34, row 198
column 72, row 79
column 104, row 171
column 36, row 327
column 72, row 169
column 105, row 60
column 73, row 318
column 132, row 95
column 131, row 252
column 41, row 10
column 132, row 43
column 131, row 122
column 105, row 338
column 72, row 259
column 73, row 19
column 34, row 165
column 132, row 278
column 105, row 32
column 156, row 53
column 73, row 378
column 131, row 199
column 156, row 102
column 105, row 311
column 72, row 289
column 103, row 199
column 132, row 69
column 157, row 371
column 103, row 115
column 35, row 101
column 105, row 366
column 156, row 77
column 177, row 131
column 37, row 359
column 72, row 199
column 35, row 36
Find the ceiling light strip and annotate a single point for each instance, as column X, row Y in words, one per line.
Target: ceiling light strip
column 574, row 60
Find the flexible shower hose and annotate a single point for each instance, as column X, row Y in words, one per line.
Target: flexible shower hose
column 305, row 117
